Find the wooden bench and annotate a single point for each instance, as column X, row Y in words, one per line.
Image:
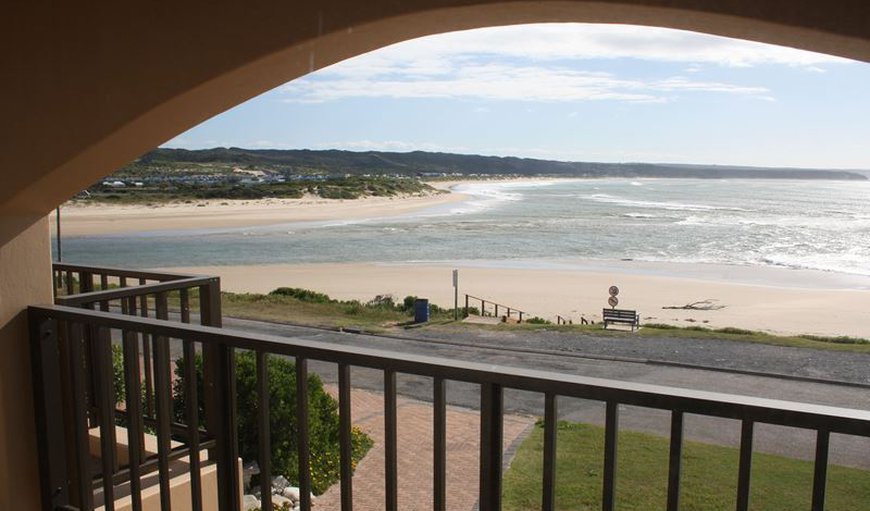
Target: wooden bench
column 627, row 317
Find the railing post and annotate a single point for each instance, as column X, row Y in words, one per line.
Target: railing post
column 210, row 303
column 820, row 470
column 744, row 475
column 491, row 434
column 466, row 306
column 391, row 475
column 550, row 428
column 219, row 382
column 611, row 429
column 48, row 409
column 439, row 445
column 675, row 461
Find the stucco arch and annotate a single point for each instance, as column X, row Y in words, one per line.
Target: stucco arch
column 103, row 83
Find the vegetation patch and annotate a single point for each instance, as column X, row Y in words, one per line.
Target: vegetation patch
column 323, row 420
column 709, row 479
column 305, row 307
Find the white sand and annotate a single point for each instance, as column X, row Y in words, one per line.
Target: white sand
column 95, row 219
column 779, row 301
column 780, row 308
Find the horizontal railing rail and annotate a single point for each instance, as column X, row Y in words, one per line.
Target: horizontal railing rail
column 220, row 343
column 483, row 303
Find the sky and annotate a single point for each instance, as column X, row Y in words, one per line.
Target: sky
column 570, row 92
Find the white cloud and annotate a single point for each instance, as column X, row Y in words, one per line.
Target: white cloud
column 592, row 41
column 508, row 82
column 543, row 63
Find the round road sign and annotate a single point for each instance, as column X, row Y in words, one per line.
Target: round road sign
column 614, row 290
column 613, row 301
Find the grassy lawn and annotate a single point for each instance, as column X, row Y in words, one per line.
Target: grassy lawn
column 709, row 475
column 376, row 317
column 370, row 316
column 849, row 344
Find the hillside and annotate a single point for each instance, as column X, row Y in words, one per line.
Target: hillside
column 303, row 162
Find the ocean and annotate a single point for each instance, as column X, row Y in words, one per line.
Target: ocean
column 813, row 224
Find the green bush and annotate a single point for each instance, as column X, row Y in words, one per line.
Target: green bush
column 323, row 422
column 303, row 295
column 535, row 320
column 382, row 302
column 118, row 373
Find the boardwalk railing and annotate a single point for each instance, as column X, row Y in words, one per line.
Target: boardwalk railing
column 484, row 310
column 58, row 329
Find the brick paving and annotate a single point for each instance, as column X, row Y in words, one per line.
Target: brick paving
column 415, row 459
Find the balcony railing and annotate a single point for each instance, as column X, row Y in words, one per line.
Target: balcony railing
column 61, row 335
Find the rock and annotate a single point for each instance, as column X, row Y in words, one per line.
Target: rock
column 278, row 484
column 292, row 493
column 250, row 502
column 281, row 502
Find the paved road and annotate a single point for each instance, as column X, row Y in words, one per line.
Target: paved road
column 605, row 358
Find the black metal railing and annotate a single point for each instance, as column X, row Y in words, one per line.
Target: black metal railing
column 58, row 328
column 485, row 311
column 90, row 394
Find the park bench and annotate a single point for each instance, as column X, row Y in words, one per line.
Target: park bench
column 627, row 317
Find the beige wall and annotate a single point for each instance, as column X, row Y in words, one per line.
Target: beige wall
column 88, row 86
column 25, row 278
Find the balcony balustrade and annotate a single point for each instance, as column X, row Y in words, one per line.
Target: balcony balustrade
column 72, row 356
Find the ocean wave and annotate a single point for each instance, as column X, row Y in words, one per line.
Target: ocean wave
column 669, row 206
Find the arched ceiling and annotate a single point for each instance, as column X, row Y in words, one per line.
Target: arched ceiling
column 92, row 85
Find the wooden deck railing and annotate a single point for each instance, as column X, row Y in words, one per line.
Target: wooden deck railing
column 509, row 311
column 59, row 329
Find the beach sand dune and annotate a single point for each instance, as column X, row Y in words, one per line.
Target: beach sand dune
column 99, row 219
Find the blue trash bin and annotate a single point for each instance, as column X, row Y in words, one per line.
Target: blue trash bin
column 421, row 310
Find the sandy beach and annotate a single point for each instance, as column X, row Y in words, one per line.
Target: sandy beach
column 769, row 299
column 98, row 219
column 781, row 305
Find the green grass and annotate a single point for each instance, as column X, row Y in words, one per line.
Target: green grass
column 320, row 310
column 842, row 343
column 352, row 187
column 709, row 475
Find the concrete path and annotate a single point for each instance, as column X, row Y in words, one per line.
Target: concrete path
column 415, row 465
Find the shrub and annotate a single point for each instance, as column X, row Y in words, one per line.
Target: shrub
column 323, row 422
column 382, row 302
column 408, row 303
column 303, row 295
column 118, row 373
column 535, row 320
column 836, row 340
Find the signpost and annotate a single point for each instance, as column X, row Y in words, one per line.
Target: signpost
column 455, row 295
column 613, row 300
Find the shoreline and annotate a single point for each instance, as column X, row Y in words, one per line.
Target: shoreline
column 572, row 293
column 110, row 219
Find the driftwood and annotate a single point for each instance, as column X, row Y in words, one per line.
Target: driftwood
column 702, row 305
